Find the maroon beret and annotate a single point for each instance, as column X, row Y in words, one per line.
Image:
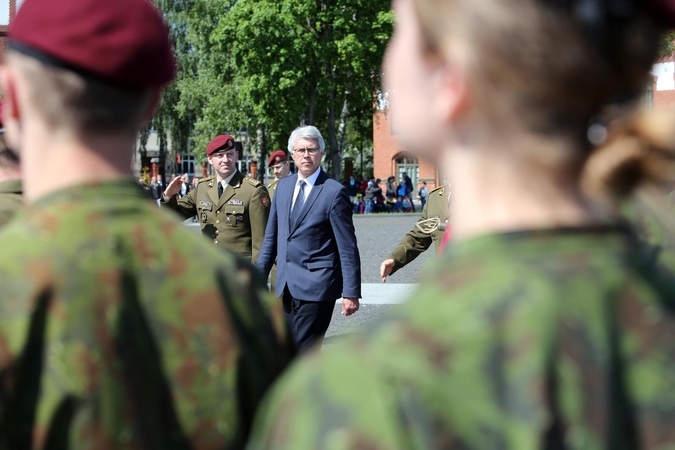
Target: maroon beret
column 124, row 42
column 276, row 157
column 218, row 143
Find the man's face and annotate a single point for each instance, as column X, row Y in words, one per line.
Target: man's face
column 281, row 169
column 307, row 156
column 224, row 162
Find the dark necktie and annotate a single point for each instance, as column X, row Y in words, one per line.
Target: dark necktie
column 297, row 207
column 220, row 189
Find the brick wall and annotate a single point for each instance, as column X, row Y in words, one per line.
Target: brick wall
column 3, row 29
column 386, row 150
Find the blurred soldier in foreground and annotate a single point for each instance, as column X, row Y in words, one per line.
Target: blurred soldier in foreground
column 429, row 229
column 232, row 209
column 281, row 167
column 11, row 199
column 113, row 335
column 543, row 326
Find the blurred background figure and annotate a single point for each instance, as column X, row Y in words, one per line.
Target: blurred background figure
column 11, row 199
column 281, row 167
column 544, row 324
column 185, row 185
column 424, row 193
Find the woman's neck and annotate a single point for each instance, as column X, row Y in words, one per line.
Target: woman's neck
column 494, row 191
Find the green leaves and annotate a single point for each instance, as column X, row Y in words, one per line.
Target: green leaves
column 270, row 64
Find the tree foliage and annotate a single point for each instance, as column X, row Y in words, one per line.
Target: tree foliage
column 266, row 66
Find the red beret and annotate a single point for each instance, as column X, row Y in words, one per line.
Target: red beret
column 222, row 142
column 277, row 157
column 124, row 42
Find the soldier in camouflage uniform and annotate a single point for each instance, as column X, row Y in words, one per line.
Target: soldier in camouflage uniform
column 232, row 209
column 429, row 229
column 545, row 324
column 11, row 199
column 113, row 333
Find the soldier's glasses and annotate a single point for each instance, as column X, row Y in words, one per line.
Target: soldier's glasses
column 308, row 150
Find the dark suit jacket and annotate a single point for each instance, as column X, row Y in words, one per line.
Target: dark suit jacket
column 319, row 259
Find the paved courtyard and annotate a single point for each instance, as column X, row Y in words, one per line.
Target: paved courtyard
column 377, row 235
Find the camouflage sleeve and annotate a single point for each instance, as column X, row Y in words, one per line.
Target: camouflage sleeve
column 266, row 344
column 259, row 212
column 315, row 406
column 186, row 206
column 412, row 245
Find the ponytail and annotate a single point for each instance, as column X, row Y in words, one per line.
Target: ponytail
column 637, row 151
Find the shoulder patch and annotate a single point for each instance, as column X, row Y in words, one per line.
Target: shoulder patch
column 251, row 181
column 206, row 179
column 266, row 200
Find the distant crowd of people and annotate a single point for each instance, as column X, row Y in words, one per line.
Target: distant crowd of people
column 369, row 196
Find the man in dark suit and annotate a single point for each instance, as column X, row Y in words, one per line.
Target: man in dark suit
column 311, row 234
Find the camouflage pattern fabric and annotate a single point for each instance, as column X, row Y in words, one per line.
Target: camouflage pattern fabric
column 559, row 339
column 122, row 329
column 11, row 200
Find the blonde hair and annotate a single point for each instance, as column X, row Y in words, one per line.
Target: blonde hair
column 560, row 79
column 87, row 105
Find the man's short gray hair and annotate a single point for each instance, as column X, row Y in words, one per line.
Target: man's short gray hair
column 306, row 132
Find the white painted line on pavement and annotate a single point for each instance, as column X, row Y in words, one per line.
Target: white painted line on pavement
column 385, row 293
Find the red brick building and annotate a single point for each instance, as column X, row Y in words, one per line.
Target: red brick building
column 663, row 88
column 390, row 159
column 7, row 12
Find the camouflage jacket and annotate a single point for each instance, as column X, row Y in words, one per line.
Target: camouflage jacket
column 550, row 339
column 11, row 200
column 122, row 329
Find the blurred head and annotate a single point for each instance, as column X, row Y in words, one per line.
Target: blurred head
column 463, row 72
column 306, row 146
column 85, row 79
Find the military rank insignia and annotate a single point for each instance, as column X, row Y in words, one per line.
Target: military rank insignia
column 235, row 202
column 203, row 217
column 265, row 200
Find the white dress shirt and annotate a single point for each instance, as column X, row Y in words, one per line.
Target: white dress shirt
column 227, row 180
column 311, row 181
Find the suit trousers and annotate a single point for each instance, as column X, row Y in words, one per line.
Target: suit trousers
column 308, row 321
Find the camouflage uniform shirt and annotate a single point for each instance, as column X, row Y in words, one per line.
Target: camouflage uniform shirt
column 11, row 200
column 120, row 328
column 549, row 339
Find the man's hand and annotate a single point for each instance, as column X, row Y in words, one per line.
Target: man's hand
column 385, row 269
column 349, row 306
column 173, row 188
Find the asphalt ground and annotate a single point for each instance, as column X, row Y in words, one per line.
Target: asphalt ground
column 377, row 235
